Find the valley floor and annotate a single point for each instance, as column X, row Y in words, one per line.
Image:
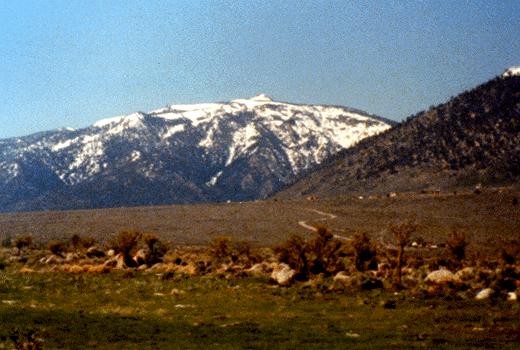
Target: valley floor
column 143, row 311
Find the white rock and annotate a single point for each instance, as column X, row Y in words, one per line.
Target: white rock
column 341, row 277
column 283, row 274
column 111, row 252
column 511, row 296
column 465, row 274
column 257, row 270
column 440, row 277
column 484, row 294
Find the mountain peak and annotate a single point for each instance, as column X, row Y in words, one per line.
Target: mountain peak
column 511, row 71
column 261, row 97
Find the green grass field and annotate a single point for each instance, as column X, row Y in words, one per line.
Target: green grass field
column 143, row 311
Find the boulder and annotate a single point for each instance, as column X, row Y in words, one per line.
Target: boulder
column 70, row 257
column 283, row 274
column 189, row 269
column 465, row 274
column 142, row 267
column 111, row 252
column 94, row 252
column 258, row 270
column 53, row 259
column 441, row 277
column 141, row 257
column 511, row 296
column 117, row 262
column 484, row 294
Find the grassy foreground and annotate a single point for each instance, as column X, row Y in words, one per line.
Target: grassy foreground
column 134, row 310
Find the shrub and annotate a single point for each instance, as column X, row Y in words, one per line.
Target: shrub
column 293, row 253
column 402, row 233
column 7, row 242
column 365, row 253
column 156, row 248
column 76, row 241
column 457, row 244
column 56, row 247
column 23, row 242
column 223, row 249
column 323, row 254
column 79, row 242
column 125, row 243
column 27, row 339
column 220, row 248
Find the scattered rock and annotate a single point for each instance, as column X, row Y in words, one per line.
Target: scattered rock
column 484, row 294
column 26, row 270
column 341, row 277
column 143, row 267
column 440, row 277
column 352, row 335
column 258, row 270
column 141, row 257
column 190, row 269
column 465, row 274
column 94, row 252
column 53, row 259
column 177, row 292
column 70, row 257
column 283, row 274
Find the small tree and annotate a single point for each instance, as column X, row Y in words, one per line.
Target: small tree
column 293, row 254
column 402, row 233
column 324, row 253
column 457, row 244
column 23, row 242
column 56, row 247
column 156, row 249
column 125, row 243
column 365, row 253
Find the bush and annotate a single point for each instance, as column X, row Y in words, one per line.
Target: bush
column 156, row 248
column 223, row 250
column 323, row 254
column 126, row 243
column 457, row 244
column 23, row 242
column 56, row 247
column 402, row 233
column 365, row 253
column 79, row 242
column 7, row 242
column 26, row 339
column 293, row 253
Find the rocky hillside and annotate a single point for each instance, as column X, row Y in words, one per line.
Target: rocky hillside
column 240, row 150
column 473, row 138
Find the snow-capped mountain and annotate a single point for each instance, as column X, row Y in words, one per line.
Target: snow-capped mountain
column 239, row 150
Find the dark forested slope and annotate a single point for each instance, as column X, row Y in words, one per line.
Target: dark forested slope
column 474, row 137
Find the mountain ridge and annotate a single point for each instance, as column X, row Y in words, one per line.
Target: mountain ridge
column 472, row 138
column 239, row 150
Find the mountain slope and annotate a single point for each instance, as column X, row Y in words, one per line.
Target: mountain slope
column 474, row 137
column 240, row 150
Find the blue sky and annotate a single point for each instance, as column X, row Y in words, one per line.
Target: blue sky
column 70, row 63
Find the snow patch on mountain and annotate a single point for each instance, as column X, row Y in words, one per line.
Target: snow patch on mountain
column 192, row 145
column 512, row 71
